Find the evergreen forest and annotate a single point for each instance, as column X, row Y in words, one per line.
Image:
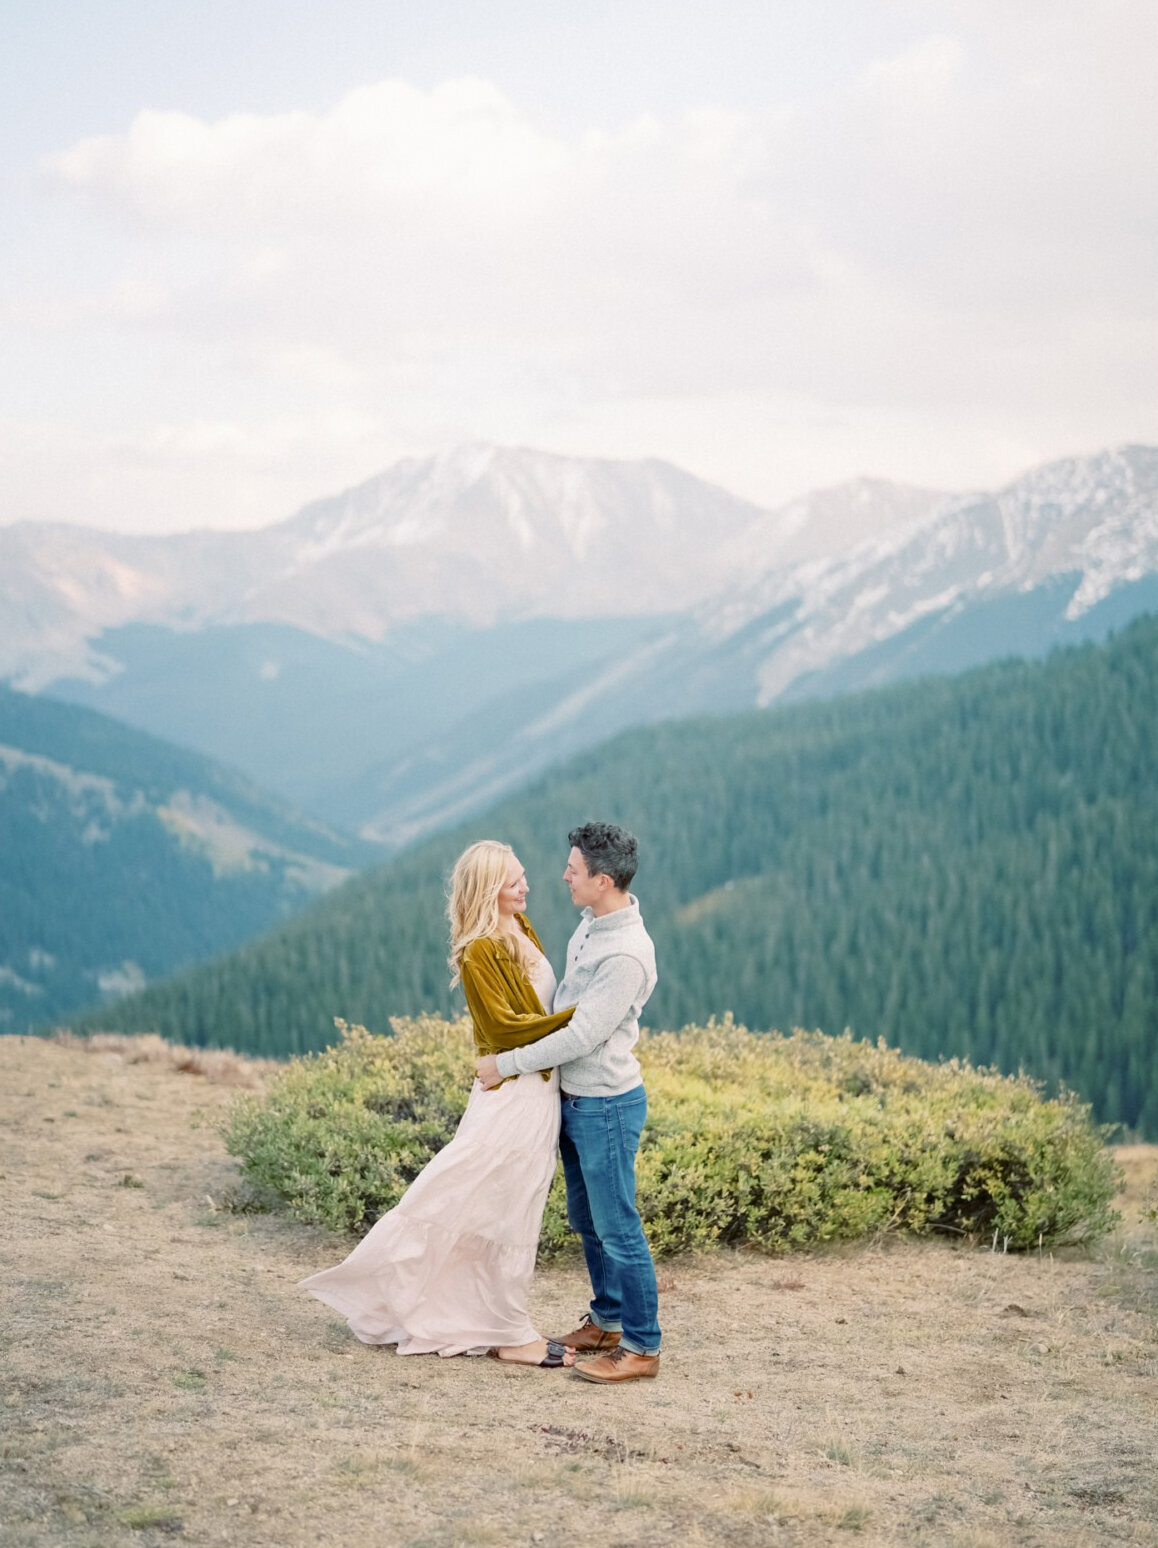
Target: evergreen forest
column 965, row 867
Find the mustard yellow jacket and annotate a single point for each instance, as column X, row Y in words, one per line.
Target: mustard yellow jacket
column 504, row 1008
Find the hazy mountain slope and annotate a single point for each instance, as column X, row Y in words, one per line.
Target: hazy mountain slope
column 62, row 586
column 965, row 866
column 828, row 522
column 126, row 858
column 1022, row 623
column 314, row 718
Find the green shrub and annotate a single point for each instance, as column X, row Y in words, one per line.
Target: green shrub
column 755, row 1139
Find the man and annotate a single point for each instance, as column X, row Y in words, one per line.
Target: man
column 609, row 974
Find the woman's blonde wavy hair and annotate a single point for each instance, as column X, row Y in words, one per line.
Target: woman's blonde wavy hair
column 473, row 904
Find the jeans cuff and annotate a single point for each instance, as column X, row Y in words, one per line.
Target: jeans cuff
column 608, row 1327
column 635, row 1350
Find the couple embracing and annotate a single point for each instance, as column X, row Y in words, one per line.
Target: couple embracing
column 448, row 1270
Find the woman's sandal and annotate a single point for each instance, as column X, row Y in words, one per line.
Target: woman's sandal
column 555, row 1358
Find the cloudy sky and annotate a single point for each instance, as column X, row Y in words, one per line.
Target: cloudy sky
column 253, row 251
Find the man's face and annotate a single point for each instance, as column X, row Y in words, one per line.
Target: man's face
column 586, row 889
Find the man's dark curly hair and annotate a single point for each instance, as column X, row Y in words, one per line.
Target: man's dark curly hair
column 607, row 850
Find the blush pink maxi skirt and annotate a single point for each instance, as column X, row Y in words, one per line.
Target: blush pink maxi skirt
column 448, row 1270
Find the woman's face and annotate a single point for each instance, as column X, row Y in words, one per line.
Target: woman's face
column 513, row 892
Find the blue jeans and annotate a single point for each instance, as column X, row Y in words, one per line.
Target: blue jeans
column 598, row 1142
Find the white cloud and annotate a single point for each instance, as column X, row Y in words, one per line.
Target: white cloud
column 173, row 477
column 382, row 145
column 955, row 249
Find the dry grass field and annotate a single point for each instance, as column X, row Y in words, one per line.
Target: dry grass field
column 164, row 1380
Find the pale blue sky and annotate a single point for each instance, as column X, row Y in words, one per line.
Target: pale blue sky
column 86, row 68
column 779, row 243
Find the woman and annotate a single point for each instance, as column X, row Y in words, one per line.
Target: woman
column 448, row 1269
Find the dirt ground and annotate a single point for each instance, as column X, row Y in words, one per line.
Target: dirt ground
column 164, row 1380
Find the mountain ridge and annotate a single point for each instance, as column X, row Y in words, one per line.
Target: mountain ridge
column 388, row 703
column 608, row 536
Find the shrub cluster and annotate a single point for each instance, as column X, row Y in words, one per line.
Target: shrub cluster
column 753, row 1139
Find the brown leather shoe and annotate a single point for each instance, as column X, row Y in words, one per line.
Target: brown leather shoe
column 619, row 1365
column 589, row 1338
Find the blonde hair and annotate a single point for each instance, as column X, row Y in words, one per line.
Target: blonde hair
column 472, row 907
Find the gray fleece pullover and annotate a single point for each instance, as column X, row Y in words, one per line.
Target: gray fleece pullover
column 609, row 975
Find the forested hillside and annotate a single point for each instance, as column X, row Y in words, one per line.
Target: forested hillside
column 125, row 858
column 963, row 866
